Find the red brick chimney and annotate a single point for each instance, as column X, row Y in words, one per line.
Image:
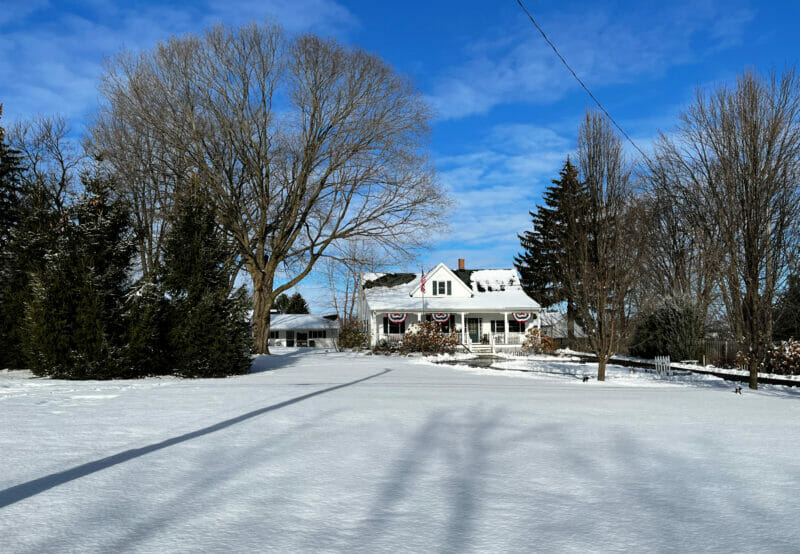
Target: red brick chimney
column 461, row 263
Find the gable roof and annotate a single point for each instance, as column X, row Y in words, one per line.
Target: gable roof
column 441, row 267
column 496, row 290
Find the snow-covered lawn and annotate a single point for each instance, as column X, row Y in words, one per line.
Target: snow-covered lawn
column 345, row 452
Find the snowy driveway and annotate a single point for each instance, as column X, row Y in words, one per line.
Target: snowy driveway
column 340, row 452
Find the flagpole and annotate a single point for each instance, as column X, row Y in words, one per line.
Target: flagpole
column 422, row 279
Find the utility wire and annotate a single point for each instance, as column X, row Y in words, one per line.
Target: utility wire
column 596, row 101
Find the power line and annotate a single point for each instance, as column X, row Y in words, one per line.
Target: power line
column 592, row 96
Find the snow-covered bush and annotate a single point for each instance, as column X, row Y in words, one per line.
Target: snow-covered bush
column 537, row 342
column 427, row 337
column 353, row 335
column 782, row 359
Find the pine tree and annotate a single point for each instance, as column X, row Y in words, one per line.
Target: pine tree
column 543, row 265
column 75, row 322
column 13, row 281
column 209, row 334
column 294, row 304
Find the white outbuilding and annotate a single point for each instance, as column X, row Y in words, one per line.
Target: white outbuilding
column 300, row 330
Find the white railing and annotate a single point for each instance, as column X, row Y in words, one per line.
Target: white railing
column 662, row 365
column 513, row 338
column 393, row 337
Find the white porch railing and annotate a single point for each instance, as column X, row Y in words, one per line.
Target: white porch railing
column 513, row 338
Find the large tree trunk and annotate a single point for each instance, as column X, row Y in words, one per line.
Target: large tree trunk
column 601, row 369
column 262, row 302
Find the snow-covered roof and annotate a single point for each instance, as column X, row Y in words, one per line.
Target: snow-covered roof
column 492, row 290
column 284, row 322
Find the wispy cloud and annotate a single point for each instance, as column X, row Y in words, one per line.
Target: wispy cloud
column 495, row 185
column 51, row 55
column 603, row 47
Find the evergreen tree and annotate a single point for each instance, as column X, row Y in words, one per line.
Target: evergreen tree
column 209, row 333
column 12, row 280
column 674, row 328
column 787, row 312
column 543, row 264
column 294, row 304
column 297, row 304
column 146, row 350
column 75, row 321
column 10, row 189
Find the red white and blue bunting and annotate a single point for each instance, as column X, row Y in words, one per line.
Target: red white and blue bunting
column 397, row 317
column 521, row 317
column 440, row 318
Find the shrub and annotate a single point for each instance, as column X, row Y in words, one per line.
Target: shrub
column 427, row 337
column 781, row 359
column 537, row 342
column 353, row 335
column 675, row 328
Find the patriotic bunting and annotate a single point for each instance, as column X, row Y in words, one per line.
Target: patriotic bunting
column 397, row 317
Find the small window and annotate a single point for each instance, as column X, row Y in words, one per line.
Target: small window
column 319, row 334
column 516, row 327
column 498, row 326
column 441, row 287
column 274, row 334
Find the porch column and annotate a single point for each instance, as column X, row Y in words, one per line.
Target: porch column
column 463, row 330
column 376, row 329
column 505, row 327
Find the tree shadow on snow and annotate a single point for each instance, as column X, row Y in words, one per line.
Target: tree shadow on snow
column 22, row 491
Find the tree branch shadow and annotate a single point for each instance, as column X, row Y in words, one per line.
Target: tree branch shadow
column 22, row 491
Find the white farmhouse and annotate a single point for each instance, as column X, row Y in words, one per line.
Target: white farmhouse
column 303, row 330
column 486, row 307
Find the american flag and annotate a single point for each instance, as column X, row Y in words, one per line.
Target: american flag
column 422, row 288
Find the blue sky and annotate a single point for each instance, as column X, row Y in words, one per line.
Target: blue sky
column 507, row 110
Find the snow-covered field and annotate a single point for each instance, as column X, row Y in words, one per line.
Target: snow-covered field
column 345, row 452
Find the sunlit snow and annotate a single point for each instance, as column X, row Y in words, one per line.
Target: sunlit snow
column 344, row 452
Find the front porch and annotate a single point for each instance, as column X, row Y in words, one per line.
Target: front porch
column 477, row 332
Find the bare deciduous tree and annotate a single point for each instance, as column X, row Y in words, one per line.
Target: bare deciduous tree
column 343, row 266
column 301, row 142
column 737, row 150
column 147, row 172
column 605, row 253
column 52, row 160
column 682, row 250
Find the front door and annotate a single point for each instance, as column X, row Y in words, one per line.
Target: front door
column 302, row 338
column 474, row 328
column 289, row 338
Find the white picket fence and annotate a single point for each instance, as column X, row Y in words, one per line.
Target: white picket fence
column 662, row 365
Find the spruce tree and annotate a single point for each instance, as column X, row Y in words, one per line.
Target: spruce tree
column 543, row 264
column 75, row 321
column 209, row 333
column 146, row 350
column 13, row 280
